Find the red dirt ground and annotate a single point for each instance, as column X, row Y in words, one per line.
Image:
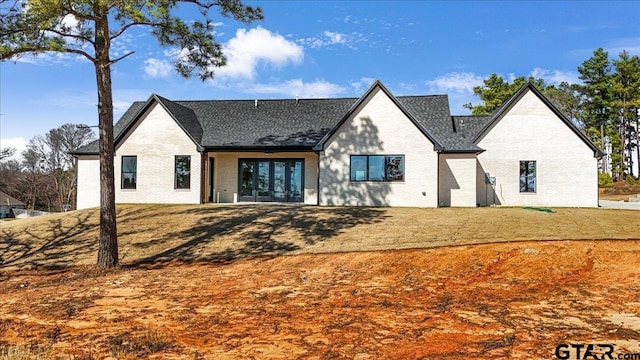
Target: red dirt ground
column 493, row 301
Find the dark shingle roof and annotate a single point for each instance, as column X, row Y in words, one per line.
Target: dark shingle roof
column 289, row 123
column 433, row 113
column 7, row 200
column 463, row 131
column 296, row 124
column 185, row 117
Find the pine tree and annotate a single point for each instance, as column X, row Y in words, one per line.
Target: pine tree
column 625, row 104
column 496, row 91
column 595, row 74
column 36, row 26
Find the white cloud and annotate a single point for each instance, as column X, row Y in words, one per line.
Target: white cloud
column 329, row 38
column 334, row 37
column 458, row 87
column 296, row 87
column 57, row 58
column 217, row 25
column 555, row 77
column 157, row 68
column 455, row 82
column 408, row 88
column 69, row 21
column 362, row 84
column 122, row 44
column 250, row 48
column 19, row 143
column 615, row 47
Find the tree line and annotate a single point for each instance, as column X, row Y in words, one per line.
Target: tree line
column 45, row 177
column 605, row 106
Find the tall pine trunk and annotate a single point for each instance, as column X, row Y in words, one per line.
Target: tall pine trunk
column 108, row 239
column 638, row 144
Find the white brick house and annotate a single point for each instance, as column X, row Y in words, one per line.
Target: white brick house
column 378, row 150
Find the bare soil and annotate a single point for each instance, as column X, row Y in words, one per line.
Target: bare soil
column 496, row 300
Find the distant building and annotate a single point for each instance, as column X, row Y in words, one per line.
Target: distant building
column 7, row 204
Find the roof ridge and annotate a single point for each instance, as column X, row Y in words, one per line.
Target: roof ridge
column 252, row 100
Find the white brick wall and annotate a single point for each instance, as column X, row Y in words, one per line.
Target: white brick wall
column 88, row 182
column 156, row 140
column 566, row 167
column 378, row 126
column 457, row 174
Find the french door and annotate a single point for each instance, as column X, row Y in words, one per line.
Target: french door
column 275, row 180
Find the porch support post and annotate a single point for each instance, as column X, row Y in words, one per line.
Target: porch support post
column 203, row 177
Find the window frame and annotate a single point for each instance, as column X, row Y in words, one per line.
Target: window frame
column 368, row 170
column 122, row 173
column 526, row 174
column 176, row 184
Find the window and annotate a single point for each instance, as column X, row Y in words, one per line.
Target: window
column 527, row 176
column 129, row 171
column 377, row 168
column 183, row 172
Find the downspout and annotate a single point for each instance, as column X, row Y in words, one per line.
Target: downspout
column 598, row 180
column 438, row 152
column 318, row 179
column 597, row 187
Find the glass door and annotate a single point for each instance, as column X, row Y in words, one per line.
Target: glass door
column 279, row 180
column 295, row 189
column 246, row 191
column 263, row 184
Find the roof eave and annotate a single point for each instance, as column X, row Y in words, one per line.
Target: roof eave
column 253, row 148
column 463, row 151
column 74, row 153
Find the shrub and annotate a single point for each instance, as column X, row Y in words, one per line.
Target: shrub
column 604, row 180
column 630, row 180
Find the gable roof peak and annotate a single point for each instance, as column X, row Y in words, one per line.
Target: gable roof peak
column 515, row 98
column 377, row 84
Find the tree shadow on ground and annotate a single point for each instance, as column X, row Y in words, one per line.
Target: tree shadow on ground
column 156, row 234
column 227, row 233
column 51, row 245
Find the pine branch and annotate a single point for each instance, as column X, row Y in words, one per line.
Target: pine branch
column 73, row 36
column 126, row 27
column 120, row 58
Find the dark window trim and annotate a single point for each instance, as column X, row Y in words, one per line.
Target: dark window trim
column 386, row 156
column 122, row 172
column 175, row 173
column 526, row 176
column 255, row 175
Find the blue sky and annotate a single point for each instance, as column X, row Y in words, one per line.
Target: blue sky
column 332, row 49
